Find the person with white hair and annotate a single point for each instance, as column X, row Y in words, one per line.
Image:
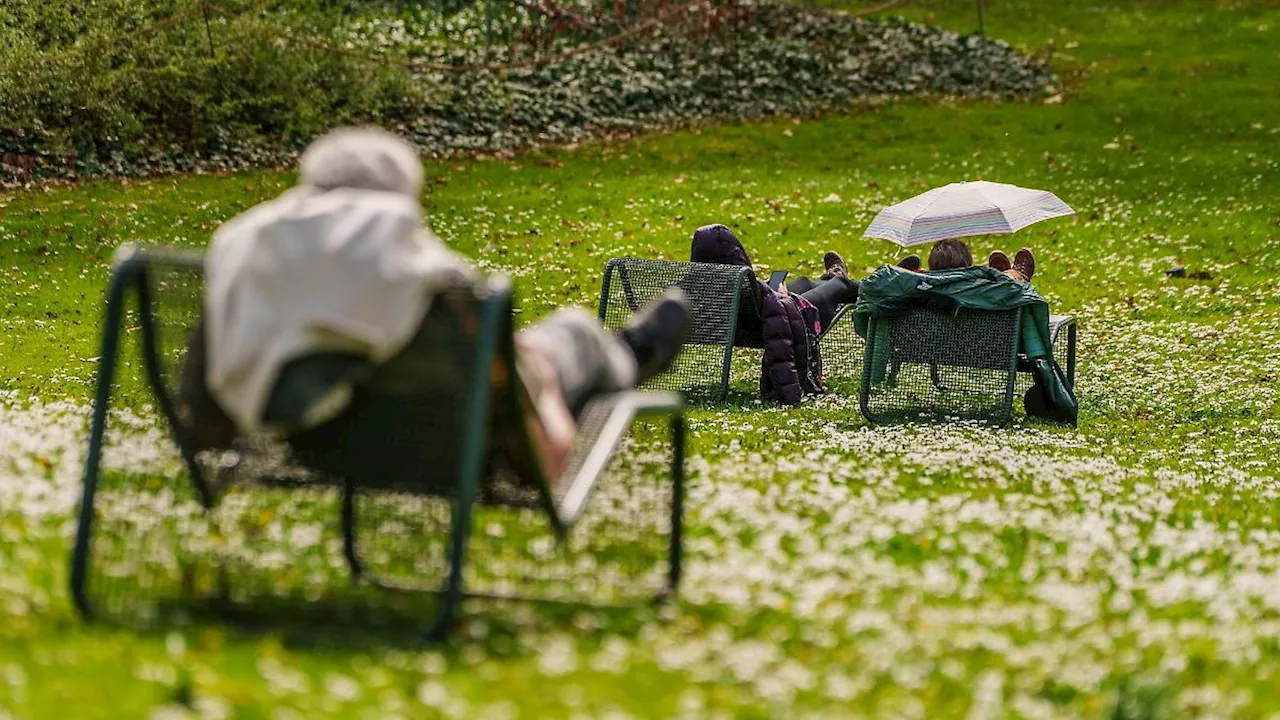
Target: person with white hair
column 342, row 263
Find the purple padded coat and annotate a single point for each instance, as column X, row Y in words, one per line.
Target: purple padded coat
column 790, row 369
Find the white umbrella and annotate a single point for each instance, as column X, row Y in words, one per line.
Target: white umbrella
column 962, row 209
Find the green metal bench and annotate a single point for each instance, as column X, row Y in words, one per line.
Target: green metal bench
column 401, row 491
column 939, row 365
column 725, row 301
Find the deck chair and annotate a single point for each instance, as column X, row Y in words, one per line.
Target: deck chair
column 937, row 364
column 400, row 492
column 842, row 353
column 725, row 302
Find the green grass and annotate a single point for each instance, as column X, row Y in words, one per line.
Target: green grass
column 1128, row 568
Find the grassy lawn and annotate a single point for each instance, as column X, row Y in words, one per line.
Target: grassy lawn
column 1128, row 568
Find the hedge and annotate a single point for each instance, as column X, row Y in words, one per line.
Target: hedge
column 79, row 100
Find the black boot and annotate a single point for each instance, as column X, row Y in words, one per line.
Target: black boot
column 911, row 262
column 657, row 333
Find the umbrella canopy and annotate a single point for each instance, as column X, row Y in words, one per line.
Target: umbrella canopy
column 962, row 209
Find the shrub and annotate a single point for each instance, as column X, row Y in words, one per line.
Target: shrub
column 245, row 92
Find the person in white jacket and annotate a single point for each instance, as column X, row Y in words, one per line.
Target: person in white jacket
column 343, row 263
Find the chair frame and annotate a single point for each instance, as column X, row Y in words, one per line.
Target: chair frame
column 745, row 279
column 841, row 312
column 1017, row 360
column 1056, row 325
column 130, row 277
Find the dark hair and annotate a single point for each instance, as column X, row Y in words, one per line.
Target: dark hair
column 949, row 254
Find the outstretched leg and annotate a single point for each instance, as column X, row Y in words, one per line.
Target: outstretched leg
column 585, row 359
column 802, row 285
column 581, row 355
column 567, row 358
column 1021, row 268
column 828, row 296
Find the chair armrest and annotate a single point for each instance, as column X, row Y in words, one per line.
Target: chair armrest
column 605, row 422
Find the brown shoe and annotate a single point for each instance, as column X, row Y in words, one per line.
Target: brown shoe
column 999, row 261
column 833, row 266
column 1024, row 263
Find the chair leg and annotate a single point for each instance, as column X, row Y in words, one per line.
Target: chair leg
column 724, row 372
column 1071, row 355
column 676, row 568
column 445, row 619
column 451, row 597
column 84, row 527
column 728, row 355
column 1011, row 381
column 349, row 549
column 936, row 377
column 121, row 281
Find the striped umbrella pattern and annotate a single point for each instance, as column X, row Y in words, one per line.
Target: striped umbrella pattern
column 964, row 209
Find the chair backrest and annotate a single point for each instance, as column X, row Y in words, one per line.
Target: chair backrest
column 982, row 339
column 724, row 299
column 404, row 429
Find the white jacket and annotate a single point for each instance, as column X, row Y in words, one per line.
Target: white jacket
column 340, row 263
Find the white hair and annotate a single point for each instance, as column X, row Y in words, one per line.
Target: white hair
column 362, row 158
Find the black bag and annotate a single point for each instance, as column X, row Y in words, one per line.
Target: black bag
column 1050, row 395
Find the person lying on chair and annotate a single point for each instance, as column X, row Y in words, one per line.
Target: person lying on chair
column 789, row 322
column 951, row 254
column 954, row 282
column 343, row 265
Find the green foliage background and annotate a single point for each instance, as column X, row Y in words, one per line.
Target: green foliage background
column 74, row 89
column 95, row 89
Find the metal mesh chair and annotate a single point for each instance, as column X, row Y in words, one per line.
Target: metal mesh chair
column 1066, row 357
column 930, row 364
column 725, row 301
column 401, row 489
column 842, row 353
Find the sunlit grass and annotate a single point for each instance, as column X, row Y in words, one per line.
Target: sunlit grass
column 1128, row 567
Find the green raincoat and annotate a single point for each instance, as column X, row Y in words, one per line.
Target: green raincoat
column 892, row 289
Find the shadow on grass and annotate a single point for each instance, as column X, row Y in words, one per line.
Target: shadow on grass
column 398, row 621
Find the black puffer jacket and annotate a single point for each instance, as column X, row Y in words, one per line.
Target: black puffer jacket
column 790, row 367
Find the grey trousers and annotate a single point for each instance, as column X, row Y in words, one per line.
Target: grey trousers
column 587, row 358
